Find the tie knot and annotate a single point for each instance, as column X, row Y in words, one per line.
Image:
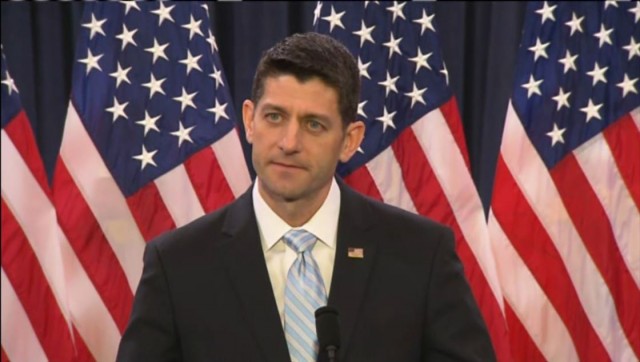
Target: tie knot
column 299, row 240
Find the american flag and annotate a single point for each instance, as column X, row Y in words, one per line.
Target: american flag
column 149, row 144
column 565, row 220
column 35, row 320
column 414, row 154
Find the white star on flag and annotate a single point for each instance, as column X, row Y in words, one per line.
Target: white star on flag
column 194, row 27
column 334, row 19
column 118, row 109
column 592, row 110
column 183, row 134
column 217, row 75
column 363, row 69
column 149, row 122
column 421, row 60
column 546, row 12
column 154, row 85
column 121, row 75
column 539, row 50
column 186, row 99
column 562, row 99
column 389, row 84
column 129, row 4
column 127, row 37
column 361, row 108
column 445, row 72
column 636, row 12
column 628, row 85
column 575, row 23
column 10, row 84
column 633, row 48
column 316, row 12
column 396, row 11
column 533, row 86
column 219, row 111
column 425, row 22
column 146, row 158
column 556, row 135
column 569, row 61
column 604, row 35
column 91, row 61
column 163, row 13
column 365, row 33
column 416, row 95
column 598, row 74
column 394, row 45
column 613, row 3
column 212, row 41
column 95, row 26
column 191, row 62
column 157, row 50
column 387, row 119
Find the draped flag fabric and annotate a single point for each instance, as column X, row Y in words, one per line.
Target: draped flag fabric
column 149, row 144
column 35, row 320
column 565, row 220
column 414, row 153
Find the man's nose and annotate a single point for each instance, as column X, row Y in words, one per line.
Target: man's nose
column 290, row 139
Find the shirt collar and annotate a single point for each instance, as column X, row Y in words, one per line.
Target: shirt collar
column 323, row 224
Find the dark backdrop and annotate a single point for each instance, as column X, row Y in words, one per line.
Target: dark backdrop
column 479, row 41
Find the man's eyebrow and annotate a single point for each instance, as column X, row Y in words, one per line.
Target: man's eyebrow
column 273, row 107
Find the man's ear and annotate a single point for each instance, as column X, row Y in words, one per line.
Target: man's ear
column 353, row 138
column 247, row 119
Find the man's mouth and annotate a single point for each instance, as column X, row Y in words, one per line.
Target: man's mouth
column 287, row 165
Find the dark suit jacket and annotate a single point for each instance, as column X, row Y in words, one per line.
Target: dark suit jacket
column 205, row 293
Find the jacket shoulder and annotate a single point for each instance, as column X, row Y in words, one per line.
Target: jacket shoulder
column 392, row 216
column 208, row 229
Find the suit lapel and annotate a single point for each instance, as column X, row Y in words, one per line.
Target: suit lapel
column 249, row 276
column 351, row 275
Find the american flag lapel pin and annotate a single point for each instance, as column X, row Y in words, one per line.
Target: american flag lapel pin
column 355, row 253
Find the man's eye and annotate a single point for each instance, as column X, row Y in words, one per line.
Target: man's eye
column 315, row 125
column 273, row 117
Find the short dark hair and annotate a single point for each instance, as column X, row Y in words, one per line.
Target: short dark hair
column 310, row 55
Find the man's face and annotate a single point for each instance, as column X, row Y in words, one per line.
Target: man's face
column 298, row 137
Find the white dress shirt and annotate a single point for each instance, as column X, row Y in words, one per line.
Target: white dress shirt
column 279, row 257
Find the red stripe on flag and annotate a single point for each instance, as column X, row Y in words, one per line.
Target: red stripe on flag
column 487, row 302
column 91, row 247
column 362, row 181
column 591, row 222
column 430, row 200
column 20, row 132
column 30, row 284
column 531, row 241
column 450, row 112
column 3, row 356
column 522, row 346
column 421, row 181
column 82, row 351
column 208, row 180
column 150, row 212
column 623, row 138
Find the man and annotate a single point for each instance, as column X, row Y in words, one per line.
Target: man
column 240, row 285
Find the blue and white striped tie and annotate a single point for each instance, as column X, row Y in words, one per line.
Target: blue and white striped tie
column 304, row 293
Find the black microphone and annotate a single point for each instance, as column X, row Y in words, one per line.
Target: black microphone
column 328, row 330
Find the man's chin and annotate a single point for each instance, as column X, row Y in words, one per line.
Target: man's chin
column 289, row 194
column 283, row 192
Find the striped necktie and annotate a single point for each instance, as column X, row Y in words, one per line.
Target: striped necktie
column 304, row 293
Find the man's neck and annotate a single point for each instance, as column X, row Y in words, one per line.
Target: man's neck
column 295, row 212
